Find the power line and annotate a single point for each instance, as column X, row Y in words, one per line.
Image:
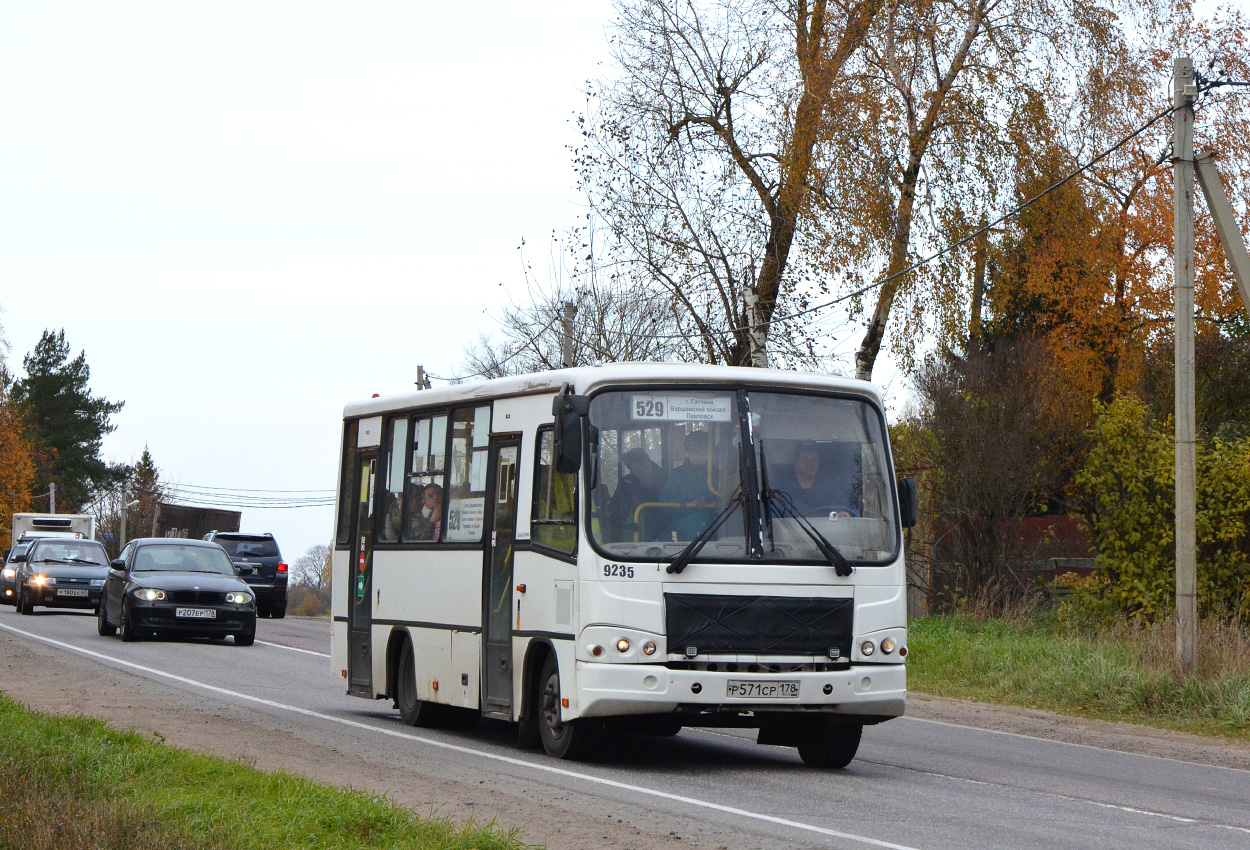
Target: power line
column 952, row 247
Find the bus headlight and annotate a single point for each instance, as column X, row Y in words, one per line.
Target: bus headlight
column 867, row 648
column 623, row 645
column 887, row 645
column 648, row 648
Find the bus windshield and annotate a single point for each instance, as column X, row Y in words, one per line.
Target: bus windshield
column 674, row 464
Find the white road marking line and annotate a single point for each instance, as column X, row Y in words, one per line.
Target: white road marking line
column 294, row 648
column 570, row 774
column 1068, row 743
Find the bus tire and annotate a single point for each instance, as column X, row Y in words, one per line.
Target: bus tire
column 413, row 711
column 831, row 746
column 565, row 740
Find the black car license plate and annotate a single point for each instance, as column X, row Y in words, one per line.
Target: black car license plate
column 196, row 613
column 751, row 689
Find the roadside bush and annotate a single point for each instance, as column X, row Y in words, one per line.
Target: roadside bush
column 1128, row 484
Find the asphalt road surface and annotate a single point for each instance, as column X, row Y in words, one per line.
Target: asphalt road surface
column 916, row 783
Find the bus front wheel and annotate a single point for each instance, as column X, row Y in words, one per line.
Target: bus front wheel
column 831, row 746
column 563, row 739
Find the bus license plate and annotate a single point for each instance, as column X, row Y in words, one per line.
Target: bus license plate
column 197, row 613
column 70, row 591
column 747, row 689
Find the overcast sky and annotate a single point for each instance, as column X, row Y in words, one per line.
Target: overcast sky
column 248, row 214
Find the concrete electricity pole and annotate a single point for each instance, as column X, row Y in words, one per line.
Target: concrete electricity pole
column 566, row 342
column 1184, row 92
column 52, row 498
column 121, row 522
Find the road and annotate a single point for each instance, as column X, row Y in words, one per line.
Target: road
column 916, row 783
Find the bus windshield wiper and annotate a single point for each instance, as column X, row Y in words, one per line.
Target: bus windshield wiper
column 840, row 564
column 683, row 558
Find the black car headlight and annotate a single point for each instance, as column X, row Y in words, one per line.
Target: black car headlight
column 149, row 594
column 239, row 598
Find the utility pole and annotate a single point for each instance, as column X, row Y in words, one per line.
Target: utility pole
column 52, row 498
column 566, row 343
column 1184, row 92
column 423, row 380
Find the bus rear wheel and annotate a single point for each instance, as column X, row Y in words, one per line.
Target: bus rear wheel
column 413, row 711
column 563, row 739
column 831, row 746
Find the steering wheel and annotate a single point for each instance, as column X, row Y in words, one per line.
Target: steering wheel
column 827, row 511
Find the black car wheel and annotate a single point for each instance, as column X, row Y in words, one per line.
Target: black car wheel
column 24, row 604
column 262, row 609
column 246, row 638
column 128, row 630
column 278, row 611
column 102, row 622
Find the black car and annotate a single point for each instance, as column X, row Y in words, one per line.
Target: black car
column 171, row 586
column 61, row 572
column 268, row 576
column 8, row 574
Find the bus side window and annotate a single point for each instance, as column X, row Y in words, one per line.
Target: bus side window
column 553, row 522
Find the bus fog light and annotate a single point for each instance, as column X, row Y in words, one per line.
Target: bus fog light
column 887, row 645
column 696, row 688
column 828, row 689
column 648, row 648
column 867, row 648
column 595, row 650
column 622, row 645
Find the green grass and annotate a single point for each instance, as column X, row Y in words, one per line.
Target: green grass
column 72, row 782
column 1124, row 673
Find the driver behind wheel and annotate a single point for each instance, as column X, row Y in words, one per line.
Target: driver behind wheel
column 810, row 490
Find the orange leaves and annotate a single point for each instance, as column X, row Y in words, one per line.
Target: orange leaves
column 17, row 469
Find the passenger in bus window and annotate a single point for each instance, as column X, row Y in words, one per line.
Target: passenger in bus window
column 426, row 523
column 687, row 484
column 641, row 484
column 394, row 514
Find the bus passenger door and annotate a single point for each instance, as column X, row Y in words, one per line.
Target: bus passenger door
column 497, row 598
column 360, row 612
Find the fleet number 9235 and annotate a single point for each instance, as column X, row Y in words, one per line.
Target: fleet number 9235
column 618, row 570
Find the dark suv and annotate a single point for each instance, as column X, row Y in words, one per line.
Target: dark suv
column 267, row 576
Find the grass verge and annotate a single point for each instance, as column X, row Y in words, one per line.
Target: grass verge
column 72, row 782
column 1123, row 673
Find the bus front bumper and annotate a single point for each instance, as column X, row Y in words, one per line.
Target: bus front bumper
column 606, row 690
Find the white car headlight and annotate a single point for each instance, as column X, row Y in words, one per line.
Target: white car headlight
column 150, row 594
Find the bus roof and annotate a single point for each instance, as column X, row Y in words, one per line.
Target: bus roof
column 584, row 379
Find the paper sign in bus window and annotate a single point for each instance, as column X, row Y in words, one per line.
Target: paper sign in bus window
column 681, row 408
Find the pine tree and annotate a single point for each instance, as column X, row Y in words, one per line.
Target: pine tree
column 65, row 421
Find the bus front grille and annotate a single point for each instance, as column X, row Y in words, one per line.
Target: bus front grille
column 703, row 625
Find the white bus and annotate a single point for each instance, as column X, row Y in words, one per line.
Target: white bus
column 626, row 548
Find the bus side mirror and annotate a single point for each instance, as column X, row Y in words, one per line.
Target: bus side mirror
column 568, row 410
column 907, row 502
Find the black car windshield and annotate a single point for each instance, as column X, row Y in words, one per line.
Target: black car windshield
column 182, row 559
column 248, row 547
column 671, row 461
column 69, row 552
